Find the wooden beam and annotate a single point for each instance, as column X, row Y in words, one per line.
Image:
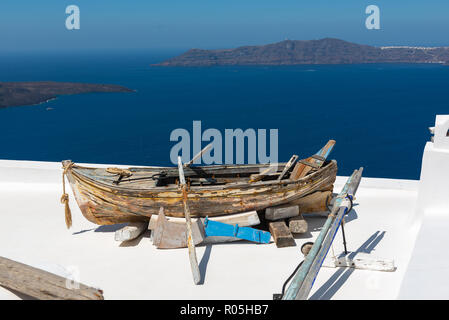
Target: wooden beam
column 132, row 231
column 297, row 224
column 41, row 284
column 281, row 234
column 244, row 219
column 282, row 212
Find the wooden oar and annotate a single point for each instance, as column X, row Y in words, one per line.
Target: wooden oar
column 303, row 167
column 190, row 244
column 199, row 154
column 304, row 278
column 287, row 167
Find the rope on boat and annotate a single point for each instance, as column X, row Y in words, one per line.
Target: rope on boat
column 122, row 172
column 65, row 197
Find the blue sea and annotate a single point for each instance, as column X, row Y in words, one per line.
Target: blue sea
column 378, row 114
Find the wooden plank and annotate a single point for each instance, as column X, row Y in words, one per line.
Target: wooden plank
column 301, row 170
column 287, row 167
column 244, row 219
column 43, row 285
column 132, row 231
column 297, row 224
column 191, row 246
column 171, row 235
column 215, row 228
column 281, row 212
column 281, row 234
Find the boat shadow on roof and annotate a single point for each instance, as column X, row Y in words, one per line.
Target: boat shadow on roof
column 331, row 286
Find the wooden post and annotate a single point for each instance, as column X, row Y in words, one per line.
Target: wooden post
column 41, row 284
column 282, row 236
column 192, row 253
column 132, row 231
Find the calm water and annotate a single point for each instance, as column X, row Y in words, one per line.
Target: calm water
column 379, row 114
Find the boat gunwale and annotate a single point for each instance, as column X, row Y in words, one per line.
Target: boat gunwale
column 175, row 188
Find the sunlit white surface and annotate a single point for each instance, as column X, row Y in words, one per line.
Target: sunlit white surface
column 33, row 232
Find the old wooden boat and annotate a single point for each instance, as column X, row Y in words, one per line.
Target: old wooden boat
column 113, row 195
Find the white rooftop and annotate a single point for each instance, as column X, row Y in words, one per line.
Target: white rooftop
column 391, row 219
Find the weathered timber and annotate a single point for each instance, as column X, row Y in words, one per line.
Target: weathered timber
column 315, row 162
column 43, row 285
column 244, row 219
column 281, row 234
column 283, row 212
column 171, row 235
column 190, row 244
column 297, row 224
column 288, row 166
column 140, row 196
column 132, row 231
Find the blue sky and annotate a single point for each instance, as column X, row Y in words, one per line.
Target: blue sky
column 181, row 24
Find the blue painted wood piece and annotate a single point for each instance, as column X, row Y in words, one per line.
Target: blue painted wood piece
column 220, row 229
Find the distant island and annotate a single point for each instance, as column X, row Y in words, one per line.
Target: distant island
column 29, row 93
column 295, row 52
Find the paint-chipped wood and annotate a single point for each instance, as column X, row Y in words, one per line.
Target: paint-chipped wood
column 102, row 202
column 302, row 169
column 281, row 234
column 43, row 285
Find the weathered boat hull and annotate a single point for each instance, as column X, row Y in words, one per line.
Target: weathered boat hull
column 103, row 203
